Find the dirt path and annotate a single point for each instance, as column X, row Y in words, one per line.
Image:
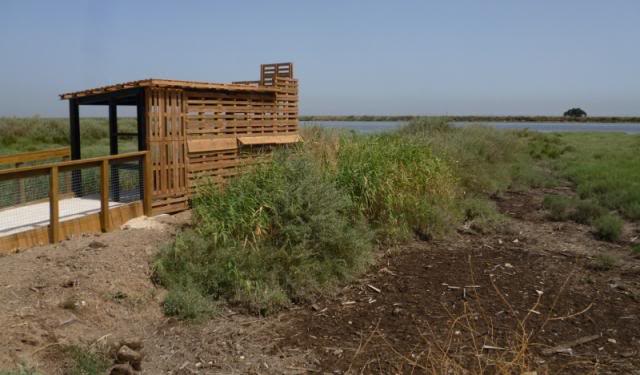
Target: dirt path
column 96, row 290
column 426, row 306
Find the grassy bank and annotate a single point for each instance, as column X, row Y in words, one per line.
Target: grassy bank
column 313, row 217
column 604, row 169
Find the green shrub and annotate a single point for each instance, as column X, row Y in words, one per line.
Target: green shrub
column 280, row 233
column 608, row 227
column 636, row 248
column 481, row 214
column 586, row 211
column 604, row 262
column 85, row 362
column 187, row 302
column 559, row 207
column 631, row 210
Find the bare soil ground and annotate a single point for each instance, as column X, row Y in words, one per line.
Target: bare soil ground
column 505, row 300
column 467, row 302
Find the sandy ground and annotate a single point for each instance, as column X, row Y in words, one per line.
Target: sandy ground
column 534, row 276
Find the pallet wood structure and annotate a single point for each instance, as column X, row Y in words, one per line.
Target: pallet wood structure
column 188, row 133
column 196, row 131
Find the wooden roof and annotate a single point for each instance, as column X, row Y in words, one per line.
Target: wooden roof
column 169, row 83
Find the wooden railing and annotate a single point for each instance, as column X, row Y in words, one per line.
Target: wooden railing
column 21, row 159
column 53, row 170
column 18, row 160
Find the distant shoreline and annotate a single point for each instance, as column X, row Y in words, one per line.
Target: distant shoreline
column 597, row 119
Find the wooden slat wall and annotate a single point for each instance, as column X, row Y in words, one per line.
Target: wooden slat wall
column 287, row 101
column 228, row 115
column 167, row 141
column 175, row 118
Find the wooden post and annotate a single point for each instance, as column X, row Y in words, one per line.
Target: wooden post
column 74, row 142
column 113, row 149
column 105, row 224
column 142, row 126
column 54, row 209
column 147, row 182
column 142, row 145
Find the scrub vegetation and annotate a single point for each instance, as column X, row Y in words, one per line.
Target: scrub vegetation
column 313, row 216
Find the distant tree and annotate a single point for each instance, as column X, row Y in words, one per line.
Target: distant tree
column 575, row 112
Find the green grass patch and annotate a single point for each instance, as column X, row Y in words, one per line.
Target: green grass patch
column 608, row 227
column 20, row 371
column 605, row 167
column 559, row 206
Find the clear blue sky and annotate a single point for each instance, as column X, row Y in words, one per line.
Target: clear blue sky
column 352, row 57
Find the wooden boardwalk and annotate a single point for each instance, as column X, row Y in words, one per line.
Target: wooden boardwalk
column 32, row 216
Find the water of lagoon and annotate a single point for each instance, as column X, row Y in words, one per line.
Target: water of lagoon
column 381, row 126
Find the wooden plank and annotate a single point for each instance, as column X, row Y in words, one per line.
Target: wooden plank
column 212, row 144
column 165, row 83
column 69, row 228
column 147, row 181
column 8, row 174
column 27, row 157
column 269, row 139
column 54, row 214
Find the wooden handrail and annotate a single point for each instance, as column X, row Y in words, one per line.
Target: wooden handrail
column 26, row 157
column 43, row 169
column 53, row 170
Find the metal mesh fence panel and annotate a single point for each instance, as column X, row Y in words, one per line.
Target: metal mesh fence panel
column 126, row 183
column 24, row 204
column 79, row 191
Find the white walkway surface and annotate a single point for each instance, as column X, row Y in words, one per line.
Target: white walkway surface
column 27, row 217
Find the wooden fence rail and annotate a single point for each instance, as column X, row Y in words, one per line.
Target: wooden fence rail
column 18, row 160
column 53, row 171
column 21, row 159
